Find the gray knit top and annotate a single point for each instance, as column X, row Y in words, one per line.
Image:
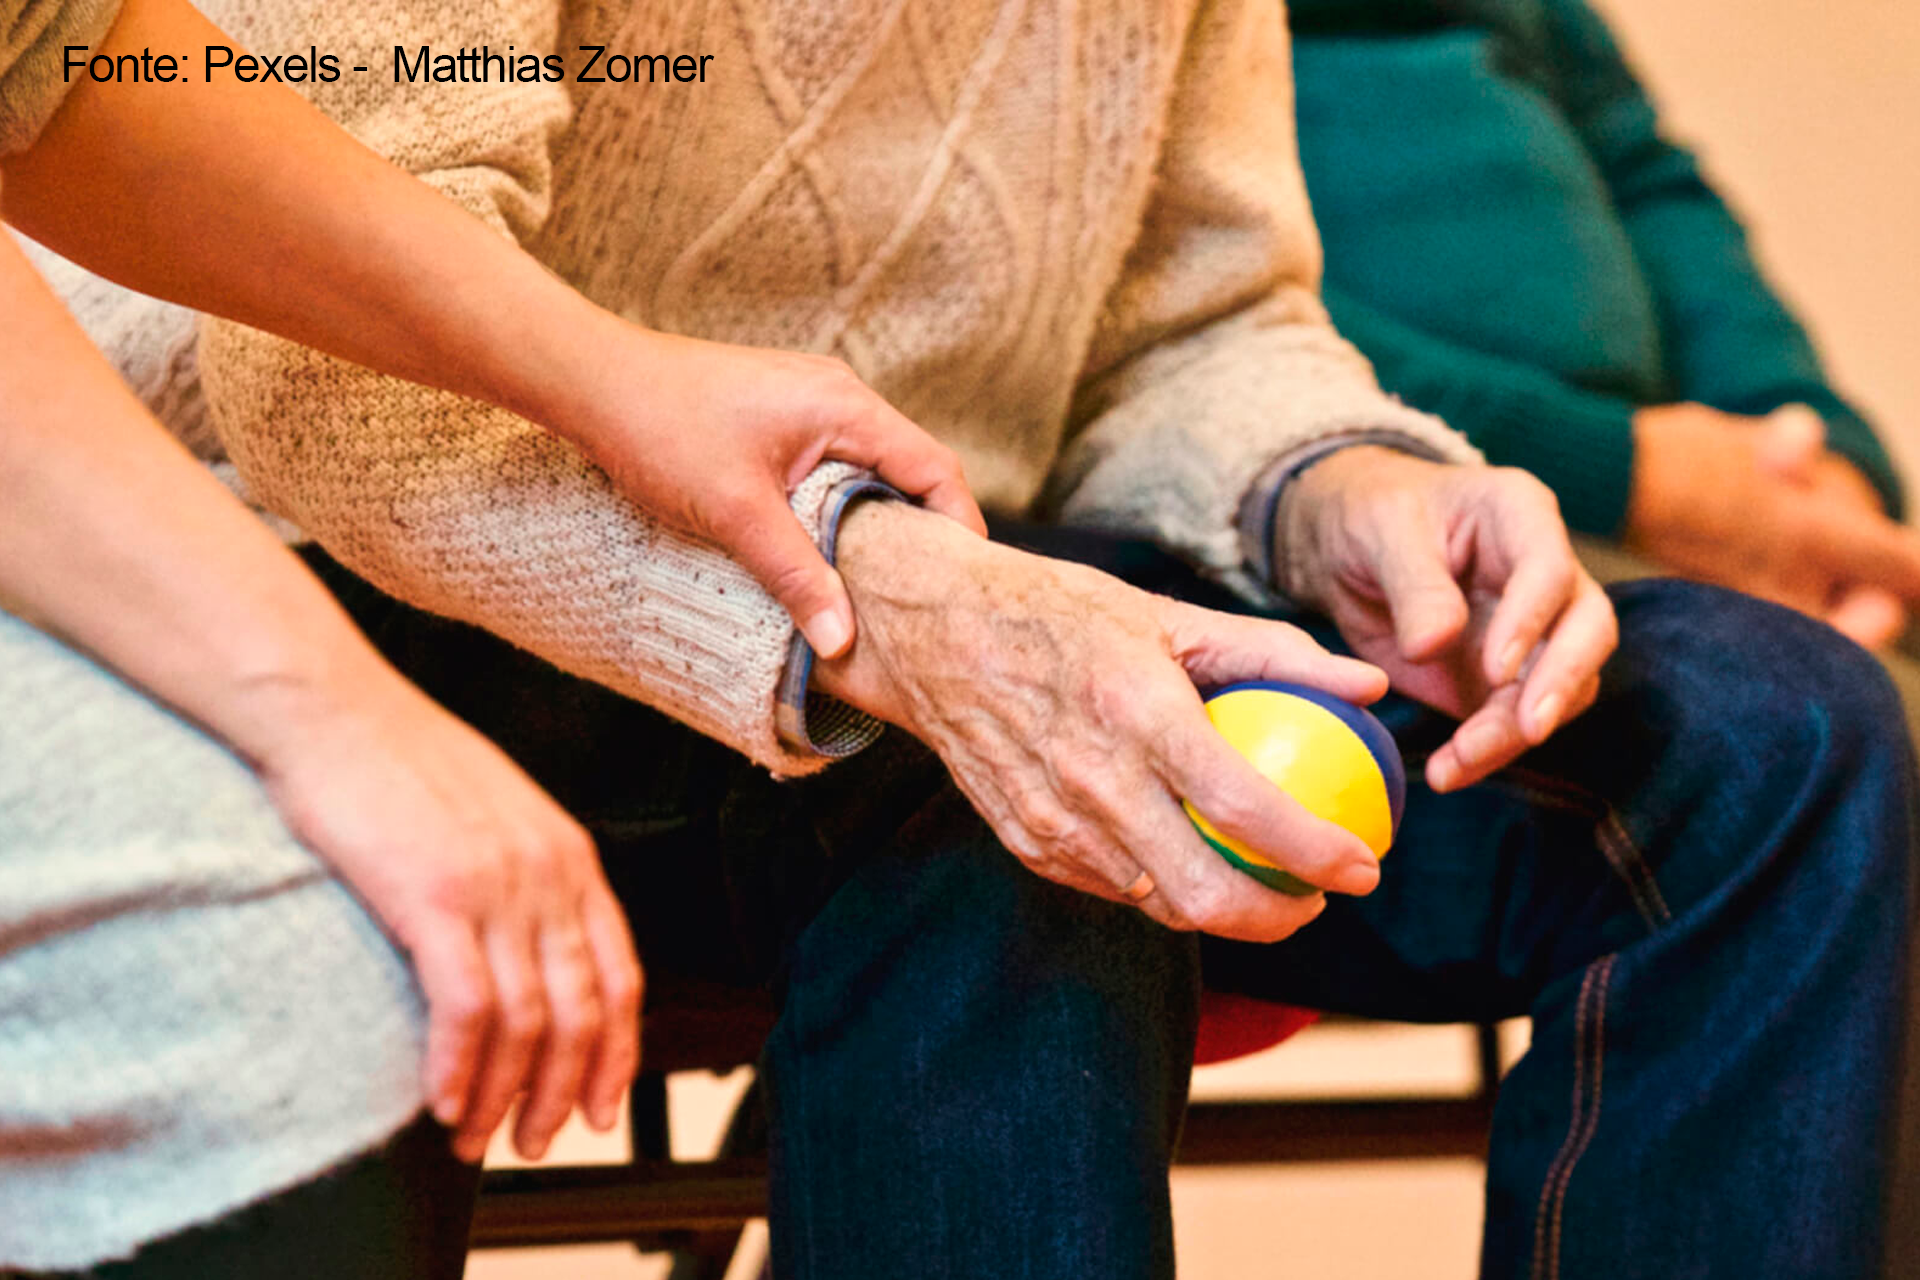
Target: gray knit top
column 194, row 1013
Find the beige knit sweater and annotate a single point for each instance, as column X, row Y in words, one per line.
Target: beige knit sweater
column 1070, row 239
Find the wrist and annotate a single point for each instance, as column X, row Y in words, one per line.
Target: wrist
column 908, row 572
column 1311, row 504
column 585, row 367
column 279, row 711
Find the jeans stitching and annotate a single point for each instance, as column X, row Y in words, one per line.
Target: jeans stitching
column 1546, row 1261
column 1593, row 1116
column 1616, row 844
column 1621, row 850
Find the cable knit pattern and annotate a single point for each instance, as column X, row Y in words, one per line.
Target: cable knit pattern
column 1035, row 226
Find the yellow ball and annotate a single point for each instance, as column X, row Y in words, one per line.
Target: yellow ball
column 1333, row 757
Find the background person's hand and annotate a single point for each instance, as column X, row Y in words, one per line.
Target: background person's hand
column 1762, row 506
column 1461, row 584
column 532, row 986
column 1063, row 702
column 712, row 438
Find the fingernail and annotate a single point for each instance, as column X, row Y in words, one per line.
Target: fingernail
column 602, row 1117
column 828, row 632
column 1546, row 714
column 1356, row 878
column 447, row 1111
column 1510, row 659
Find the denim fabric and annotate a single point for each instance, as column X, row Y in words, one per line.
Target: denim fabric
column 1699, row 891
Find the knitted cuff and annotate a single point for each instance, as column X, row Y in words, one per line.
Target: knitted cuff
column 809, row 721
column 1259, row 521
column 1849, row 436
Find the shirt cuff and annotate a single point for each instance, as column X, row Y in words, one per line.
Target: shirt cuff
column 806, row 719
column 1260, row 509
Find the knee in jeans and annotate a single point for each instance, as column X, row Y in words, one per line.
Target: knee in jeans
column 1760, row 676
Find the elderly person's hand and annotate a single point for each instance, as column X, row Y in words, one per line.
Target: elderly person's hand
column 1063, row 702
column 1461, row 584
column 1760, row 505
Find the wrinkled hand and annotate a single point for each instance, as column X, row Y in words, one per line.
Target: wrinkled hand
column 496, row 895
column 712, row 438
column 1760, row 505
column 1063, row 702
column 1461, row 584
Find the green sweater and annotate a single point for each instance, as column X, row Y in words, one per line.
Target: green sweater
column 1518, row 249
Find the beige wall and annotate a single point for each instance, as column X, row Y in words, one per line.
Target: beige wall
column 1808, row 113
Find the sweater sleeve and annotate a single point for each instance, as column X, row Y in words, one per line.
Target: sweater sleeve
column 34, row 35
column 1578, row 442
column 1214, row 356
column 469, row 511
column 1729, row 340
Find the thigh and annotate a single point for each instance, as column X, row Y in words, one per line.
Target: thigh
column 193, row 1013
column 398, row 1213
column 1727, row 735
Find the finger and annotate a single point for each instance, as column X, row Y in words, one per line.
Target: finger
column 1069, row 847
column 1859, row 547
column 1582, row 640
column 1583, row 699
column 1195, row 888
column 517, row 1030
column 1200, row 766
column 1429, row 612
column 1220, row 648
column 1868, row 616
column 574, row 1023
column 1538, row 591
column 778, row 552
column 460, row 1004
column 622, row 986
column 1486, row 741
column 1792, row 438
column 912, row 461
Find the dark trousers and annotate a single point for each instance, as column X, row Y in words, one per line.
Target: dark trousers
column 1698, row 891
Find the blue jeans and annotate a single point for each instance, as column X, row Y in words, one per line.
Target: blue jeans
column 1698, row 891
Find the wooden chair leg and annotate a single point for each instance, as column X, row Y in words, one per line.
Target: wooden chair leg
column 708, row 1255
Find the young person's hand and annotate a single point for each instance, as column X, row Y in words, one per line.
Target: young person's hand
column 1461, row 584
column 711, row 438
column 497, row 896
column 1761, row 505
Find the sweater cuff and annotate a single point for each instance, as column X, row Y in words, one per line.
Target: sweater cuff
column 809, row 721
column 1259, row 521
column 1849, row 436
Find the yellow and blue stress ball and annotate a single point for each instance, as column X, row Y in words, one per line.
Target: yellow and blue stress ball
column 1330, row 755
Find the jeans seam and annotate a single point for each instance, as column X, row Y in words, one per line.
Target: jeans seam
column 1610, row 833
column 1624, row 855
column 1584, row 1120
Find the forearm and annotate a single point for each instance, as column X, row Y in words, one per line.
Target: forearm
column 112, row 536
column 1729, row 340
column 475, row 514
column 243, row 200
